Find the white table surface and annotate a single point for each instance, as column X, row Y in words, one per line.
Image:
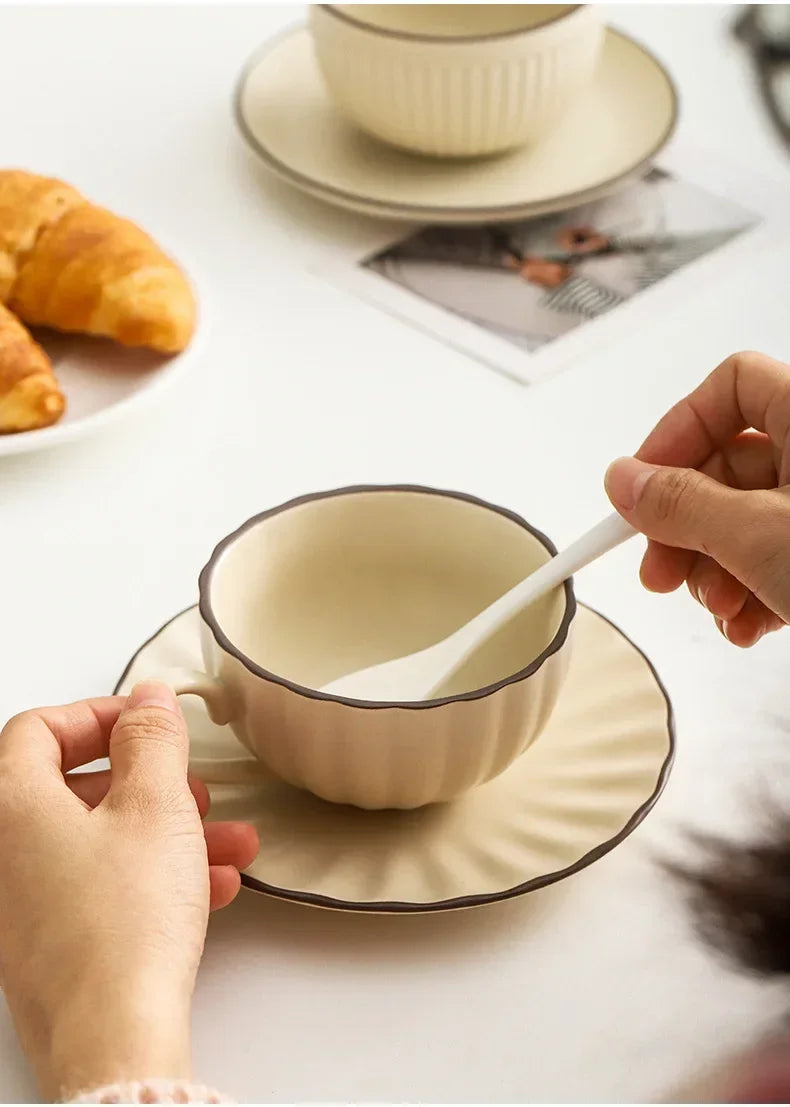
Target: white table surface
column 592, row 991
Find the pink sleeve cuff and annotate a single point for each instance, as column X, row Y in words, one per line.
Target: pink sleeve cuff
column 153, row 1091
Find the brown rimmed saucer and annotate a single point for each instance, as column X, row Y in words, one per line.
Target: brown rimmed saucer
column 610, row 136
column 588, row 781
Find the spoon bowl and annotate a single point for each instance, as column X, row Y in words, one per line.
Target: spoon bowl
column 422, row 675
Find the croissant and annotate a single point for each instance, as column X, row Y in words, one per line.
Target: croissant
column 29, row 393
column 68, row 264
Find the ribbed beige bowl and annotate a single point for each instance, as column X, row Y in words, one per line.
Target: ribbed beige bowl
column 336, row 581
column 455, row 80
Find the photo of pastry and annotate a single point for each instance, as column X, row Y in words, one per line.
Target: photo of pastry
column 533, row 281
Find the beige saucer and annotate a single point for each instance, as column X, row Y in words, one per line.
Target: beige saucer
column 609, row 135
column 589, row 780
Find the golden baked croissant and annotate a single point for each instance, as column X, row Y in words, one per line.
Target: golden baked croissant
column 67, row 264
column 29, row 393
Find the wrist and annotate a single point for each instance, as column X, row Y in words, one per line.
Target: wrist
column 114, row 1032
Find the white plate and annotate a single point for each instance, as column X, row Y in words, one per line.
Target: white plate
column 609, row 136
column 588, row 781
column 102, row 381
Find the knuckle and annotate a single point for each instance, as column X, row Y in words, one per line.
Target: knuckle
column 747, row 367
column 744, row 365
column 145, row 724
column 745, row 360
column 675, row 492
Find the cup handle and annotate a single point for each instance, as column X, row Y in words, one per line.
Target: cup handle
column 191, row 682
column 213, row 770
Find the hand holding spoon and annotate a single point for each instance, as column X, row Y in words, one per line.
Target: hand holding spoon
column 419, row 675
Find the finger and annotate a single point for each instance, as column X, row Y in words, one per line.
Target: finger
column 91, row 788
column 716, row 589
column 231, row 844
column 747, row 463
column 149, row 746
column 746, row 390
column 224, row 884
column 65, row 737
column 663, row 568
column 681, row 508
column 748, row 533
column 749, row 626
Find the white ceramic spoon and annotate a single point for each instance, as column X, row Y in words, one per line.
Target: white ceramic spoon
column 418, row 676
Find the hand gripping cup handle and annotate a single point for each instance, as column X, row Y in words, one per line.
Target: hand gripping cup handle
column 236, row 769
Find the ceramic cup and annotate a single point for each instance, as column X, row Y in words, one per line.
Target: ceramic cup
column 455, row 80
column 335, row 581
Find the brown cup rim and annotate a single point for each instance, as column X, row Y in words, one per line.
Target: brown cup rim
column 222, row 640
column 441, row 40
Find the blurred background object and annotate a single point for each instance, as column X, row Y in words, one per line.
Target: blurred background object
column 765, row 29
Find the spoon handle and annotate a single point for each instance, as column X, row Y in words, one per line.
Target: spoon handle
column 610, row 532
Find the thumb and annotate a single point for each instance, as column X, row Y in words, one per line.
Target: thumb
column 689, row 510
column 149, row 746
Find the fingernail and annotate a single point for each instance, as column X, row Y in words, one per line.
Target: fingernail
column 624, row 481
column 725, row 629
column 150, row 693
